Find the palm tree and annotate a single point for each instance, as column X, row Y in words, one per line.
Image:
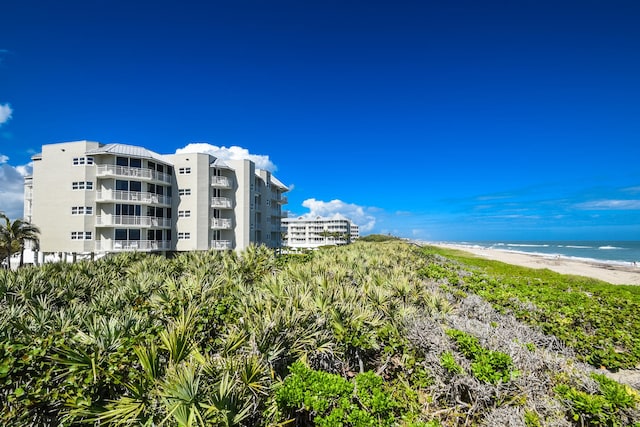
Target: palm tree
column 13, row 234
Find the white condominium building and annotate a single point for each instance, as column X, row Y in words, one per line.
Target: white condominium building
column 305, row 232
column 88, row 197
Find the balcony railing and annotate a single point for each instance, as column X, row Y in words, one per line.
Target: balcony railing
column 140, row 173
column 221, row 202
column 221, row 223
column 282, row 200
column 139, row 221
column 132, row 196
column 220, row 182
column 132, row 245
column 221, row 245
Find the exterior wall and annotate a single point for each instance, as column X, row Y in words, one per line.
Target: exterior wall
column 216, row 205
column 355, row 232
column 315, row 232
column 244, row 208
column 269, row 202
column 196, row 204
column 53, row 197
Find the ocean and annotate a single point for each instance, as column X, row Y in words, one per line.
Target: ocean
column 618, row 252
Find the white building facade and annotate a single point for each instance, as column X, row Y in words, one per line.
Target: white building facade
column 311, row 233
column 88, row 197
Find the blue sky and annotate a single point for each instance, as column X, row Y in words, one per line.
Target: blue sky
column 447, row 120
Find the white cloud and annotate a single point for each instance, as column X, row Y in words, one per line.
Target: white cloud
column 12, row 187
column 232, row 153
column 610, row 205
column 338, row 209
column 5, row 113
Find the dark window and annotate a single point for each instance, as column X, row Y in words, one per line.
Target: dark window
column 159, row 212
column 135, row 163
column 122, row 185
column 122, row 161
column 134, row 234
column 158, row 234
column 160, row 168
column 168, row 191
column 169, row 170
column 121, row 234
column 150, row 234
column 135, row 186
column 168, row 235
column 151, row 165
column 160, row 190
column 168, row 215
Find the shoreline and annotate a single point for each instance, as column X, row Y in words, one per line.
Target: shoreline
column 614, row 273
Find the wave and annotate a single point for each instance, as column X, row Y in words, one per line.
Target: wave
column 578, row 247
column 523, row 245
column 608, row 247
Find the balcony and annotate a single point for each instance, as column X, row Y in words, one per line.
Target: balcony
column 128, row 172
column 221, row 223
column 130, row 220
column 132, row 245
column 132, row 196
column 221, row 245
column 220, row 182
column 282, row 200
column 221, row 202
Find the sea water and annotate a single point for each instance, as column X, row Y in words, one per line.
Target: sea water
column 619, row 252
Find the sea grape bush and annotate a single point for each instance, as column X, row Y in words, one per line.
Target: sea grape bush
column 323, row 399
column 489, row 366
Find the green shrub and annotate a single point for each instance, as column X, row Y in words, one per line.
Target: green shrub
column 449, row 363
column 330, row 400
column 600, row 409
column 487, row 365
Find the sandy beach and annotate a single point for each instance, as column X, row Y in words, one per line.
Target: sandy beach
column 612, row 273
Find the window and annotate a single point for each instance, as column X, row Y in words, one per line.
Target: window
column 81, row 235
column 184, row 214
column 132, row 210
column 184, row 191
column 154, row 234
column 125, row 234
column 82, row 185
column 184, row 236
column 82, row 161
column 82, row 210
column 184, row 171
column 122, row 185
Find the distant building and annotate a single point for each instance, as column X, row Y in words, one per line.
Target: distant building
column 304, row 232
column 88, row 197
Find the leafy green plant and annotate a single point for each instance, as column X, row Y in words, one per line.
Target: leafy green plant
column 449, row 363
column 605, row 408
column 329, row 400
column 487, row 365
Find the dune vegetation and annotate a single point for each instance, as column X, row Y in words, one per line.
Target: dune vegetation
column 380, row 333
